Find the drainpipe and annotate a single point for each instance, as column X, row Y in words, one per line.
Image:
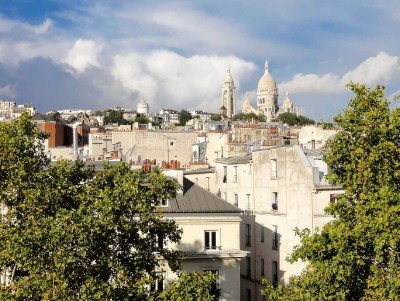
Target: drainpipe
column 75, row 155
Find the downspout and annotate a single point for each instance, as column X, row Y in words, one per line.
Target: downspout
column 75, row 155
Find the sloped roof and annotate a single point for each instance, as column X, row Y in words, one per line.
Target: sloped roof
column 196, row 199
column 235, row 160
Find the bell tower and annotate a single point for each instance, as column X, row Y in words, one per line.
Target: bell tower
column 228, row 95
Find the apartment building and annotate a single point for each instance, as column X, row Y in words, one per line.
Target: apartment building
column 279, row 188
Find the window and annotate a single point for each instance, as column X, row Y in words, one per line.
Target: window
column 332, row 198
column 274, row 272
column 234, row 173
column 236, row 201
column 248, row 293
column 262, row 233
column 248, row 235
column 248, row 202
column 224, row 195
column 164, row 203
column 225, row 178
column 274, row 201
column 158, row 284
column 210, row 240
column 214, row 287
column 158, row 241
column 275, row 240
column 248, row 267
column 274, row 173
column 262, row 269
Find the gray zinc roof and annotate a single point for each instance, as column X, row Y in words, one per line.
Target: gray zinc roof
column 235, row 160
column 196, row 199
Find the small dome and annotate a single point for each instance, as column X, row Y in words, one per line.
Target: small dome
column 143, row 103
column 266, row 81
column 287, row 102
column 247, row 102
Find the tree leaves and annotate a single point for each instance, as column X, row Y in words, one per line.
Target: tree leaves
column 72, row 233
column 356, row 256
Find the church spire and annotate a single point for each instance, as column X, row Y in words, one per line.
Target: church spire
column 266, row 65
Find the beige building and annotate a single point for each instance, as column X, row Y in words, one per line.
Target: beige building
column 281, row 188
column 210, row 239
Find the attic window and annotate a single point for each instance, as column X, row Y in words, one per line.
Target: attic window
column 164, row 203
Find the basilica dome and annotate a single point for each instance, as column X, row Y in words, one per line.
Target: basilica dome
column 266, row 81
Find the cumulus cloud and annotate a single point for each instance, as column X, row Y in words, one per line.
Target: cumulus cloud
column 166, row 78
column 378, row 69
column 83, row 54
column 381, row 68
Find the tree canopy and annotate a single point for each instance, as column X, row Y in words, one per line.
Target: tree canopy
column 191, row 287
column 70, row 233
column 216, row 117
column 184, row 116
column 142, row 119
column 115, row 116
column 292, row 119
column 357, row 255
column 249, row 117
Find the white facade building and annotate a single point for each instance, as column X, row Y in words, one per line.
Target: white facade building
column 281, row 188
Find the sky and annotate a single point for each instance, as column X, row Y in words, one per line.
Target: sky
column 84, row 54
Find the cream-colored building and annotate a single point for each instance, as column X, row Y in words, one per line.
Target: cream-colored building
column 281, row 188
column 210, row 238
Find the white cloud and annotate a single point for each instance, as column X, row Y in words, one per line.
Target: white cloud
column 167, row 79
column 39, row 29
column 7, row 91
column 378, row 69
column 381, row 68
column 83, row 54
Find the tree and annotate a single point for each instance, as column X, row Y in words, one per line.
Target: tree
column 249, row 117
column 115, row 116
column 70, row 233
column 142, row 119
column 190, row 287
column 292, row 119
column 216, row 117
column 357, row 255
column 184, row 116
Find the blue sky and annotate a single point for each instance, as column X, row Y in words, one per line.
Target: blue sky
column 174, row 54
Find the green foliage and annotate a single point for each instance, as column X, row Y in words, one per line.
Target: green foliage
column 142, row 120
column 216, row 117
column 292, row 119
column 184, row 116
column 115, row 116
column 190, row 287
column 357, row 255
column 247, row 117
column 68, row 233
column 326, row 125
